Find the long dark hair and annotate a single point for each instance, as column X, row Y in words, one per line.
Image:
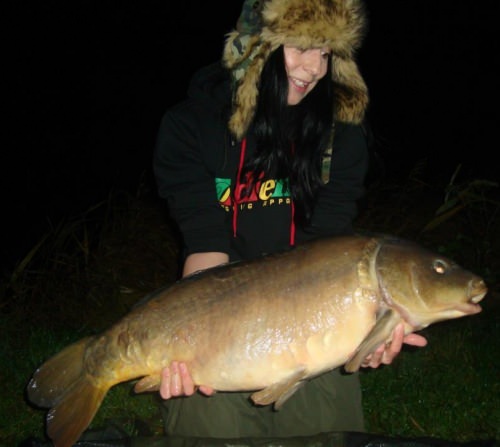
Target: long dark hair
column 290, row 140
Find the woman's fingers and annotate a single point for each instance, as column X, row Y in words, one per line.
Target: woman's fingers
column 176, row 381
column 386, row 353
column 415, row 340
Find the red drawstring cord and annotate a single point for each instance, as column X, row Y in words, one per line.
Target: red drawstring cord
column 292, row 206
column 237, row 186
column 237, row 192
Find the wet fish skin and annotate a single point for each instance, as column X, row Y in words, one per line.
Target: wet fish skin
column 266, row 325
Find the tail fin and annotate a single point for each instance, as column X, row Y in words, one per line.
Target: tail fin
column 51, row 381
column 73, row 414
column 62, row 385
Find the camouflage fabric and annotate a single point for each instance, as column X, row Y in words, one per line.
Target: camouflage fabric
column 250, row 21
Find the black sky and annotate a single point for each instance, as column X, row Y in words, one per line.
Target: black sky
column 89, row 81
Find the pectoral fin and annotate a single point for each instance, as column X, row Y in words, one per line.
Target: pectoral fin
column 379, row 334
column 148, row 383
column 279, row 392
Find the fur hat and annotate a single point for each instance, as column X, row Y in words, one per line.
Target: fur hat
column 264, row 25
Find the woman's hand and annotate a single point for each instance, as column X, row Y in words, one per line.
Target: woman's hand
column 177, row 381
column 385, row 354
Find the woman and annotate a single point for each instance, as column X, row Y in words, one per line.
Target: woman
column 269, row 151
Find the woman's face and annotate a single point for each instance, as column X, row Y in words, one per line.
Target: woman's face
column 304, row 69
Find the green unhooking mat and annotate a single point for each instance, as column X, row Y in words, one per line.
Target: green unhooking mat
column 114, row 437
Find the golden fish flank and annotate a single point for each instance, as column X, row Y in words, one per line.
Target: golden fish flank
column 266, row 325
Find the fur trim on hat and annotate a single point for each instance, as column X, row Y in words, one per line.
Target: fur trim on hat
column 337, row 24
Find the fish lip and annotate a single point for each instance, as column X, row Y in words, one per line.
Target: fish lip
column 478, row 297
column 469, row 308
column 472, row 307
column 477, row 290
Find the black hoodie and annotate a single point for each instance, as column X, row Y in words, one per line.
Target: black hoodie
column 196, row 163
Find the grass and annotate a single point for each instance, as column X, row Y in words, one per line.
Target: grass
column 448, row 390
column 90, row 269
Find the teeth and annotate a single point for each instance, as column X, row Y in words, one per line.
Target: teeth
column 299, row 83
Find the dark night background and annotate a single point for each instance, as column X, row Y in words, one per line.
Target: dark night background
column 89, row 81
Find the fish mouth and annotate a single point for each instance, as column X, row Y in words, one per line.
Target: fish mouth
column 472, row 307
column 477, row 291
column 469, row 308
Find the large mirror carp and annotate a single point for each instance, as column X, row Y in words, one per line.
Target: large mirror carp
column 265, row 325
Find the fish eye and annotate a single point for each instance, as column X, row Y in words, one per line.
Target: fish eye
column 439, row 266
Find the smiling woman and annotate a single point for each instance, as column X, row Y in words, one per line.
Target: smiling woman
column 304, row 69
column 269, row 151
